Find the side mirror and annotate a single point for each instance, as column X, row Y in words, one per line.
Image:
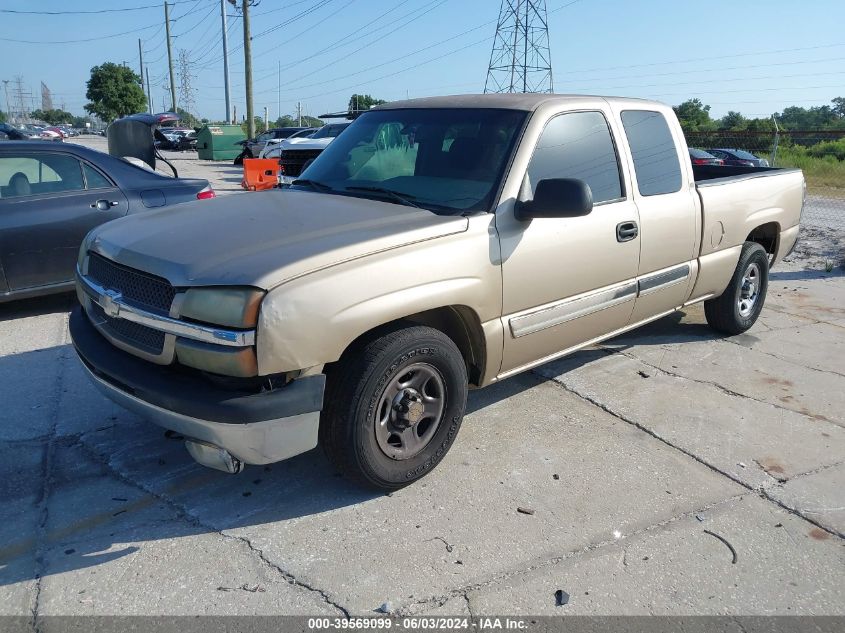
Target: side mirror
column 557, row 198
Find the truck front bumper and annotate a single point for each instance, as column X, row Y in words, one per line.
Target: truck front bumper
column 253, row 428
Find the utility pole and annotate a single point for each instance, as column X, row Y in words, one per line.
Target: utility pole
column 266, row 120
column 149, row 92
column 299, row 112
column 225, row 60
column 170, row 58
column 279, row 97
column 141, row 67
column 250, row 119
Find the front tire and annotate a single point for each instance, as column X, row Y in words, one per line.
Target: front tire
column 394, row 405
column 738, row 307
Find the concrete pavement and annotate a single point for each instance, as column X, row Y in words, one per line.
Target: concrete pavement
column 625, row 453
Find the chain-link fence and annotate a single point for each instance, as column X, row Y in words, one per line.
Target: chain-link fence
column 820, row 154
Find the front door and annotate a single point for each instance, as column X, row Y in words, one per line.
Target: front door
column 569, row 280
column 48, row 201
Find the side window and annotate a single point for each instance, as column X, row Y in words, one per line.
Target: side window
column 654, row 152
column 578, row 145
column 34, row 174
column 95, row 179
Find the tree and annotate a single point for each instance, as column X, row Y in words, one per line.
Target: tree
column 363, row 102
column 114, row 91
column 733, row 121
column 2, row 117
column 694, row 116
column 52, row 117
column 839, row 106
column 186, row 118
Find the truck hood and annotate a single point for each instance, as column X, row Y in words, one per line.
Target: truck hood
column 307, row 143
column 263, row 239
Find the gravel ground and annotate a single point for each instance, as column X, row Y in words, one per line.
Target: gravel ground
column 669, row 471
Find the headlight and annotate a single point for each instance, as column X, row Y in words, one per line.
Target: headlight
column 233, row 307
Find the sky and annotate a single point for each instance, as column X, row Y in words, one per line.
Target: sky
column 756, row 57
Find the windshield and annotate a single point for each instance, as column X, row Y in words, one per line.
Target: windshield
column 445, row 160
column 330, row 131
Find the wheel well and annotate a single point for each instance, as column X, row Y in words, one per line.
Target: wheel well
column 766, row 235
column 459, row 323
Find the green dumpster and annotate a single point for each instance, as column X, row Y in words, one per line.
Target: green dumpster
column 218, row 142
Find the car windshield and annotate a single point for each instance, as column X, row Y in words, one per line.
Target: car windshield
column 330, row 131
column 699, row 153
column 448, row 161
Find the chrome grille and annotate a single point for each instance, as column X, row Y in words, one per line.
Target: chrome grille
column 137, row 287
column 134, row 334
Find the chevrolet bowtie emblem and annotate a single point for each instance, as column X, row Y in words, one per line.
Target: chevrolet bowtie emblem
column 109, row 303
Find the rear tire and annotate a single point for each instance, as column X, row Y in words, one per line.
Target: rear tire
column 738, row 307
column 394, row 405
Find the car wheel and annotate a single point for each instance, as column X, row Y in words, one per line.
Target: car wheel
column 738, row 307
column 394, row 405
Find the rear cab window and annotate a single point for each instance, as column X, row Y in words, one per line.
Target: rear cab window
column 656, row 163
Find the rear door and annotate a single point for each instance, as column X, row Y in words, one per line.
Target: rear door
column 669, row 209
column 49, row 200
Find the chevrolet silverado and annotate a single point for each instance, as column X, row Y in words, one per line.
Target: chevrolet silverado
column 437, row 245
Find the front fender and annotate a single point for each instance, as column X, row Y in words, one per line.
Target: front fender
column 311, row 320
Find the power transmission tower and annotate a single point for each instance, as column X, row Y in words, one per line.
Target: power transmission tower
column 21, row 97
column 186, row 93
column 520, row 60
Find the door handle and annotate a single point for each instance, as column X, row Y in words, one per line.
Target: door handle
column 103, row 205
column 626, row 231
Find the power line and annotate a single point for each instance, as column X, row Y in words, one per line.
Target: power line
column 147, row 6
column 436, row 4
column 87, row 39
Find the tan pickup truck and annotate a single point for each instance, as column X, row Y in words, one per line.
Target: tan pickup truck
column 438, row 244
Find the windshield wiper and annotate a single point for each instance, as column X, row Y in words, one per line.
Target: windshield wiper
column 398, row 196
column 315, row 185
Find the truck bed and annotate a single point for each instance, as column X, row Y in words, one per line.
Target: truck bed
column 719, row 174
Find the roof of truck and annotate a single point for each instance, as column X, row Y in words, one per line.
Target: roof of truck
column 509, row 101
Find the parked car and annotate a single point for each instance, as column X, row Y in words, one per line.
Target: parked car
column 253, row 146
column 738, row 157
column 12, row 133
column 357, row 306
column 51, row 195
column 297, row 153
column 700, row 157
column 271, row 148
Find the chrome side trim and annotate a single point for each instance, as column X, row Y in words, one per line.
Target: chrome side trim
column 570, row 309
column 113, row 305
column 663, row 279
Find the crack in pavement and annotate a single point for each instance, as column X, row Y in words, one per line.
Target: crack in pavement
column 464, row 591
column 785, row 360
column 726, row 390
column 761, row 492
column 185, row 515
column 46, row 480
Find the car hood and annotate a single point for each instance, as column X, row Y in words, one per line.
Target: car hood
column 307, row 143
column 263, row 239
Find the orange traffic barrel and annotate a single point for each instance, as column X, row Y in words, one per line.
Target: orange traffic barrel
column 260, row 173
